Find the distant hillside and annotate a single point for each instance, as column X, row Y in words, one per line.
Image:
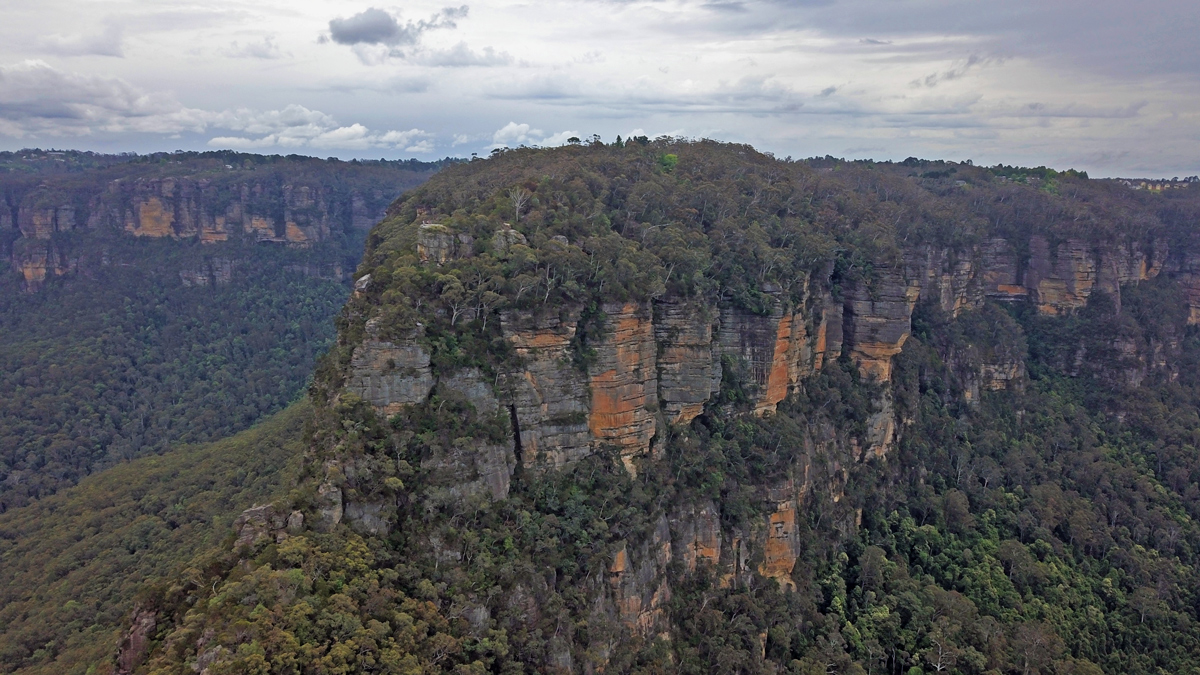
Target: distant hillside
column 152, row 300
column 72, row 564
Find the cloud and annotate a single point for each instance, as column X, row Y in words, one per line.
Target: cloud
column 934, row 79
column 461, row 55
column 298, row 127
column 105, row 43
column 513, row 133
column 37, row 98
column 371, row 26
column 523, row 134
column 266, row 49
column 375, row 35
column 559, row 138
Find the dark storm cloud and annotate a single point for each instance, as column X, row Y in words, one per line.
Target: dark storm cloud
column 373, row 26
column 376, row 27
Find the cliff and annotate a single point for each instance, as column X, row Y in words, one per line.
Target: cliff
column 209, row 198
column 578, row 418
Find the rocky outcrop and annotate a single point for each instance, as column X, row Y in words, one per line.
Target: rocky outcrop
column 260, row 523
column 296, row 203
column 390, row 375
column 773, row 350
column 39, row 260
column 877, row 321
column 439, row 244
column 135, row 643
column 948, row 278
column 1059, row 277
column 654, row 364
column 504, row 239
column 639, row 586
column 215, row 272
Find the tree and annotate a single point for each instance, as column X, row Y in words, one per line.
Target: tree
column 519, row 197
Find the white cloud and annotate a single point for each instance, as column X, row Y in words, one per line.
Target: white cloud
column 522, row 134
column 515, row 134
column 461, row 55
column 298, row 127
column 37, row 99
column 559, row 139
column 262, row 49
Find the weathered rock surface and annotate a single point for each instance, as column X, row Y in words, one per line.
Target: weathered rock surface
column 390, row 375
column 661, row 363
column 135, row 643
column 549, row 396
column 624, row 381
column 877, row 321
column 437, row 244
column 259, row 523
column 688, row 373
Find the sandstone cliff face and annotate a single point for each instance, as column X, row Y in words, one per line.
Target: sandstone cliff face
column 688, row 373
column 662, row 363
column 1059, row 277
column 390, row 375
column 548, row 397
column 624, row 381
column 878, row 321
column 301, row 213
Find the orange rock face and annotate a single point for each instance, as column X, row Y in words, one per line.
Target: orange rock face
column 261, row 227
column 294, row 234
column 639, row 584
column 877, row 322
column 781, row 374
column 624, row 381
column 152, row 219
column 780, row 547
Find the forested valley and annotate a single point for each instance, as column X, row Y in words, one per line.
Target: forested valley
column 148, row 301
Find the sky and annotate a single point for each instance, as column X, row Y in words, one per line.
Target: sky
column 1111, row 87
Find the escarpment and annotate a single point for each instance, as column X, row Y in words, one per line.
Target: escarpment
column 293, row 202
column 583, row 396
column 655, row 363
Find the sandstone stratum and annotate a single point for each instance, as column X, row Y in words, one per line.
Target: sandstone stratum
column 206, row 198
column 731, row 341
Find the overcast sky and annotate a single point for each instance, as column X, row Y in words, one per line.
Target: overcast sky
column 1109, row 86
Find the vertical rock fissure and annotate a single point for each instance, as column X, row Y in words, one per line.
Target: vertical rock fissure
column 516, row 432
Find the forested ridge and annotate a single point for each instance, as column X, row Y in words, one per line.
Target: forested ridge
column 928, row 417
column 1040, row 522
